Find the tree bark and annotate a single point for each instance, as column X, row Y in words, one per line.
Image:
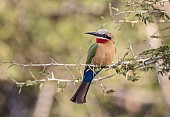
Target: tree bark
column 163, row 80
column 45, row 100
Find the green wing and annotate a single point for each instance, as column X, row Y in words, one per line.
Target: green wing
column 91, row 53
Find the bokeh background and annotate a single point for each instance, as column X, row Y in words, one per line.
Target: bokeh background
column 35, row 31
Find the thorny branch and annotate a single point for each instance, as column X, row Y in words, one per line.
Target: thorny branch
column 146, row 60
column 137, row 21
column 144, row 10
column 126, row 66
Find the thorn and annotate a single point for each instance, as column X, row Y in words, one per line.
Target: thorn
column 116, row 9
column 20, row 89
column 103, row 88
column 10, row 66
column 52, row 76
column 33, row 75
column 53, row 61
column 131, row 49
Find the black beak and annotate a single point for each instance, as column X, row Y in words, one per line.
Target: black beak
column 92, row 33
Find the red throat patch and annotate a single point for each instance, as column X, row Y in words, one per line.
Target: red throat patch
column 100, row 40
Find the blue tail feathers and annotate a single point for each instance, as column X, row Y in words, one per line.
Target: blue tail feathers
column 90, row 74
column 80, row 95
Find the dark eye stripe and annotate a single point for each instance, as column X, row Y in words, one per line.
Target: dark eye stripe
column 105, row 36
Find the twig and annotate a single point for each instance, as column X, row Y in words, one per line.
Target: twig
column 141, row 62
column 103, row 88
column 52, row 78
column 76, row 65
column 141, row 11
column 110, row 9
column 137, row 21
column 131, row 49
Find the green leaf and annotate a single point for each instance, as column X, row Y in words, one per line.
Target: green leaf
column 28, row 83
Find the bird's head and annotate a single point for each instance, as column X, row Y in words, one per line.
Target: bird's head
column 102, row 35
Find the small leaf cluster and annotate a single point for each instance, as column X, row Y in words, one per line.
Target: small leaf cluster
column 164, row 62
column 145, row 18
column 149, row 13
column 129, row 66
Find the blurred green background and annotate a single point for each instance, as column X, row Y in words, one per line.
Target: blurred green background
column 35, row 31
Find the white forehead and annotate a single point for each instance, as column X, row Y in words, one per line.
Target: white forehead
column 103, row 31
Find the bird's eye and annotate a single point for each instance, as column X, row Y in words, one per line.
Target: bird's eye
column 104, row 35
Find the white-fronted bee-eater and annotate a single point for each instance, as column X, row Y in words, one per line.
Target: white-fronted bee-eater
column 100, row 53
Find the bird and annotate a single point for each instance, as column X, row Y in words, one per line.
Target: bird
column 101, row 54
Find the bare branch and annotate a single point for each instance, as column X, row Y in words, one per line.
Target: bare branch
column 137, row 21
column 141, row 11
column 126, row 66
